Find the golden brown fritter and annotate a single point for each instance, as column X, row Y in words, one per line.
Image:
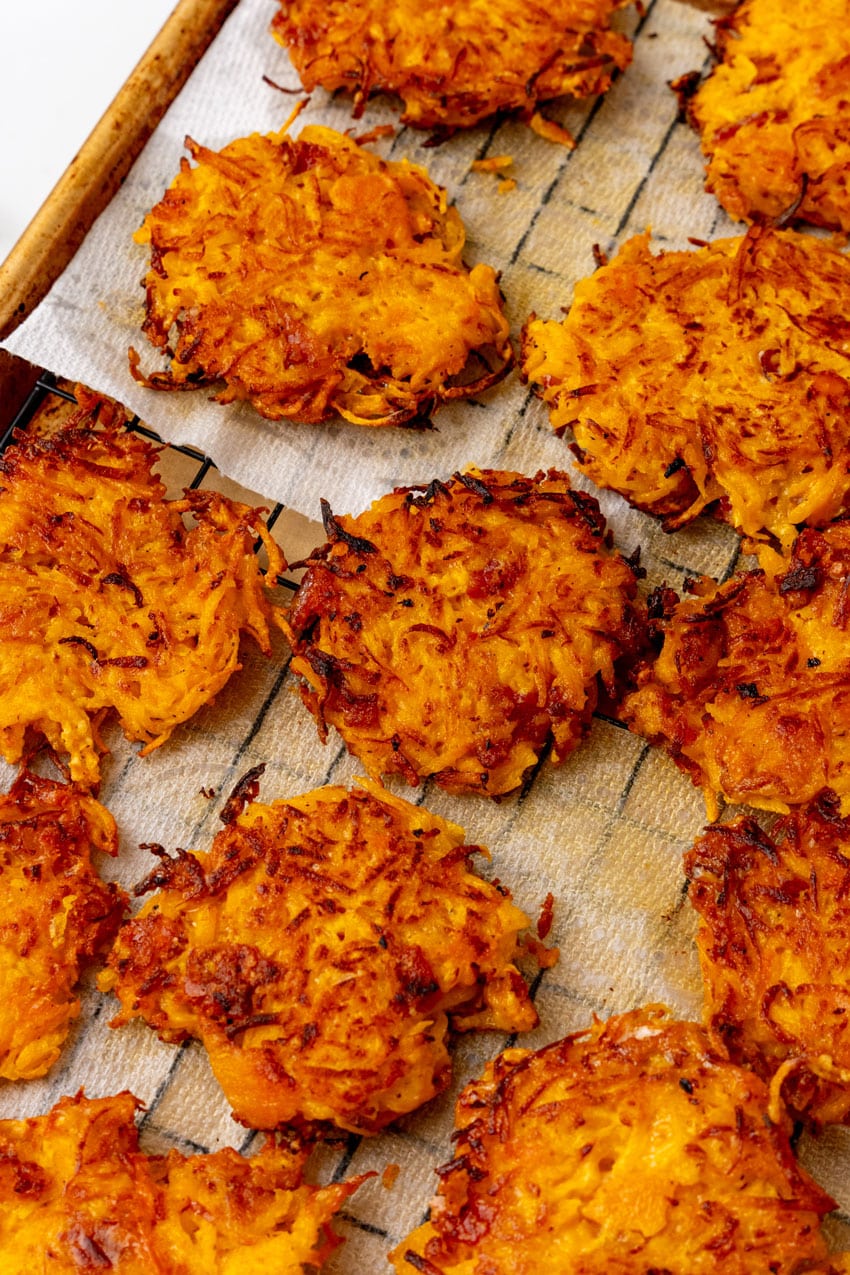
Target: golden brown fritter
column 107, row 600
column 77, row 1194
column 774, row 944
column 746, row 345
column 454, row 63
column 456, row 631
column 312, row 278
column 750, row 693
column 321, row 951
column 774, row 115
column 630, row 1148
column 55, row 915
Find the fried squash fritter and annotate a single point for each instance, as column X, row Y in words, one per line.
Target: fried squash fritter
column 455, row 63
column 774, row 115
column 107, row 600
column 312, row 278
column 746, row 344
column 774, row 944
column 750, row 693
column 76, row 1193
column 320, row 951
column 55, row 915
column 630, row 1148
column 456, row 631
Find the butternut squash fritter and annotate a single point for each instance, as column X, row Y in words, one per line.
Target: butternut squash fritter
column 750, row 693
column 457, row 631
column 454, row 63
column 107, row 600
column 76, row 1193
column 320, row 951
column 774, row 115
column 774, row 944
column 312, row 278
column 55, row 915
column 630, row 1148
column 746, row 344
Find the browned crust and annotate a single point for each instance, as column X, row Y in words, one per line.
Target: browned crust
column 774, row 945
column 457, row 630
column 633, row 1147
column 751, row 688
column 321, row 951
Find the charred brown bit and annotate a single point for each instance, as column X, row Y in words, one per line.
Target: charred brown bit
column 634, row 1147
column 774, row 945
column 311, row 278
column 320, row 951
column 459, row 62
column 56, row 915
column 774, row 115
column 485, row 610
column 247, row 790
column 746, row 344
column 108, row 600
column 782, row 634
column 76, row 1191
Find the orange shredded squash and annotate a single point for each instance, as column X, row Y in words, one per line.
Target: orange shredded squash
column 107, row 601
column 552, row 132
column 77, row 1194
column 774, row 944
column 456, row 63
column 312, row 278
column 492, row 164
column 55, row 915
column 632, row 1148
column 774, row 115
column 746, row 345
column 750, row 693
column 321, row 951
column 456, row 631
column 375, row 134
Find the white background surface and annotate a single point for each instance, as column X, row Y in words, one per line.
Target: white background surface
column 62, row 64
